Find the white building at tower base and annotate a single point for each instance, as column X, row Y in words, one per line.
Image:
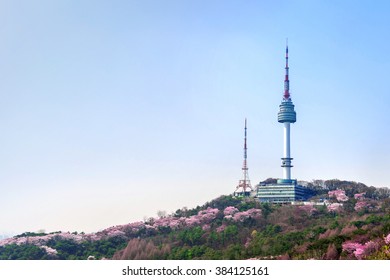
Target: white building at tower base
column 282, row 192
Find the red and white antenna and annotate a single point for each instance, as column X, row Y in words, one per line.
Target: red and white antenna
column 244, row 187
column 245, row 166
column 286, row 94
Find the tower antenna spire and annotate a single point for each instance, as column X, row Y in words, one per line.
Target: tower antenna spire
column 245, row 149
column 286, row 94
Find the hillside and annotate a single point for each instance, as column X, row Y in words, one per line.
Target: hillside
column 345, row 220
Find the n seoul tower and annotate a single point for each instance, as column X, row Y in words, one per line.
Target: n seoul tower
column 286, row 190
column 286, row 115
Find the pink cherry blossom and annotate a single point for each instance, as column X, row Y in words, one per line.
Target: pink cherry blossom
column 172, row 222
column 338, row 194
column 371, row 247
column 361, row 205
column 42, row 240
column 359, row 196
column 220, row 228
column 230, row 211
column 354, row 248
column 387, row 239
column 192, row 220
column 360, row 250
column 208, row 215
column 175, row 223
column 206, row 227
column 350, row 246
column 5, row 242
column 133, row 227
column 92, row 237
column 203, row 216
column 116, row 233
column 334, row 207
column 240, row 217
column 149, row 227
column 251, row 213
column 50, row 251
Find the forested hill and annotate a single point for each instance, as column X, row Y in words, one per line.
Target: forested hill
column 345, row 220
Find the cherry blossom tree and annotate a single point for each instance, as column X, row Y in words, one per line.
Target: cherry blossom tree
column 116, row 233
column 359, row 251
column 230, row 211
column 359, row 196
column 387, row 239
column 334, row 207
column 360, row 205
column 338, row 194
column 206, row 227
column 251, row 213
column 50, row 251
column 220, row 228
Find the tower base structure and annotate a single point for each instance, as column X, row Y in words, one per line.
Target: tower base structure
column 240, row 192
column 284, row 191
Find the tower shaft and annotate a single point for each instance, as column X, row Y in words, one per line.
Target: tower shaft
column 286, row 160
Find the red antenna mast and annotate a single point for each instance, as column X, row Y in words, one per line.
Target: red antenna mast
column 286, row 94
column 244, row 187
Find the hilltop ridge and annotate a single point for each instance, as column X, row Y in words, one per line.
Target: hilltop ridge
column 344, row 220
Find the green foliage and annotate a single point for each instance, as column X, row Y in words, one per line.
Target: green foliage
column 373, row 220
column 191, row 236
column 266, row 209
column 223, row 201
column 382, row 254
column 272, row 242
column 30, row 234
column 233, row 252
column 248, row 205
column 359, row 231
column 334, row 224
column 376, row 219
column 70, row 249
column 22, row 252
column 212, row 254
column 271, row 230
column 318, row 230
column 231, row 231
column 358, row 224
column 190, row 253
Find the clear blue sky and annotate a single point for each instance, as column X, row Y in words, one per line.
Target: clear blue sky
column 113, row 110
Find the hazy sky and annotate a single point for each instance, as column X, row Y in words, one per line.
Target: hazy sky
column 113, row 110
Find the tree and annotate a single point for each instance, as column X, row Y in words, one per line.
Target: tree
column 332, row 253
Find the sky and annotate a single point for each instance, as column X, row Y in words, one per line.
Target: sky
column 111, row 111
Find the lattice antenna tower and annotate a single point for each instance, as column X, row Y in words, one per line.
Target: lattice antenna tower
column 244, row 185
